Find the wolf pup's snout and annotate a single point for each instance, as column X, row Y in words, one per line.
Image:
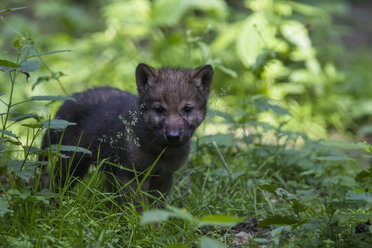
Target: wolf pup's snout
column 173, row 135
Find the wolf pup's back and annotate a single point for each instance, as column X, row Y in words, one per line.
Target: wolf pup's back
column 133, row 130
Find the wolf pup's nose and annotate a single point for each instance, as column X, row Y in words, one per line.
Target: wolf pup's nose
column 173, row 135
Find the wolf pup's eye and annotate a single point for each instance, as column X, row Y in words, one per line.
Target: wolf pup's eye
column 159, row 109
column 187, row 109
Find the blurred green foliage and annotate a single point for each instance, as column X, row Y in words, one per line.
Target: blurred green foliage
column 287, row 50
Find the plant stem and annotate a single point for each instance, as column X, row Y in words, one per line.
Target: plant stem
column 9, row 105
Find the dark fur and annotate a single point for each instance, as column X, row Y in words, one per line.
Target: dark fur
column 132, row 131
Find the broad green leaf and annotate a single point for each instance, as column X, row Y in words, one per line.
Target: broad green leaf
column 277, row 220
column 296, row 33
column 4, row 207
column 9, row 133
column 206, row 242
column 50, row 52
column 256, row 34
column 7, row 65
column 181, row 213
column 11, row 9
column 221, row 220
column 66, row 148
column 52, row 98
column 157, row 216
column 57, row 124
column 23, row 117
column 30, row 65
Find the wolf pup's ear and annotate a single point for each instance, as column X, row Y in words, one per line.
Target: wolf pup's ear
column 202, row 77
column 145, row 76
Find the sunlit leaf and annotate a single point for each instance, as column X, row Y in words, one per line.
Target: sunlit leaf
column 296, row 33
column 157, row 216
column 256, row 34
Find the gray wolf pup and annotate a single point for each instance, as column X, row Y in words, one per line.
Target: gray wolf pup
column 132, row 131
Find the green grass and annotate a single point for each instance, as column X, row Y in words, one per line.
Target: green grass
column 301, row 198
